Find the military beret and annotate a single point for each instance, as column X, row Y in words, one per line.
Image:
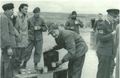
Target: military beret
column 36, row 10
column 113, row 11
column 74, row 13
column 8, row 6
column 51, row 27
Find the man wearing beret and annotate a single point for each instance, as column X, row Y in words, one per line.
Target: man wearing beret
column 36, row 26
column 22, row 27
column 74, row 44
column 8, row 44
column 105, row 45
column 73, row 23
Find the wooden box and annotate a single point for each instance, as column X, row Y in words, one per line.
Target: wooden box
column 49, row 58
column 26, row 76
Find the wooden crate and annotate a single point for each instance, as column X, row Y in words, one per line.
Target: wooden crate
column 50, row 57
column 59, row 73
column 26, row 76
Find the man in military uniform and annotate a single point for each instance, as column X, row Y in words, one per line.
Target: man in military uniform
column 74, row 44
column 73, row 23
column 8, row 44
column 118, row 51
column 105, row 49
column 98, row 22
column 36, row 26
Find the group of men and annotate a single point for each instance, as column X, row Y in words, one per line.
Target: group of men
column 18, row 37
column 107, row 42
column 20, row 34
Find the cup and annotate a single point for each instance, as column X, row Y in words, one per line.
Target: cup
column 53, row 64
column 76, row 22
column 37, row 27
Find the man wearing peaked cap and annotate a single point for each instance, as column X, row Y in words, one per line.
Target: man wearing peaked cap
column 74, row 44
column 113, row 12
column 106, row 47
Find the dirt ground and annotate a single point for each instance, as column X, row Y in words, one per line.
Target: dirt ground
column 91, row 61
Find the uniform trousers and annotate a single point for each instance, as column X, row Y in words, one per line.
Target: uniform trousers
column 7, row 64
column 75, row 67
column 104, row 66
column 38, row 44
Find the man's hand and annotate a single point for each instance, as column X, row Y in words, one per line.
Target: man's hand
column 37, row 28
column 59, row 63
column 19, row 38
column 10, row 51
column 114, row 32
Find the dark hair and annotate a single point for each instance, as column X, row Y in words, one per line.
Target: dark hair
column 74, row 13
column 22, row 6
column 8, row 6
column 36, row 10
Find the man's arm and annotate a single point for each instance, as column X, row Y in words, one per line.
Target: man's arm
column 5, row 32
column 95, row 26
column 105, row 37
column 67, row 25
column 70, row 47
column 81, row 24
column 44, row 27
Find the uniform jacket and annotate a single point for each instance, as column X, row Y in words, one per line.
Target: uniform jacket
column 105, row 44
column 22, row 27
column 97, row 24
column 73, row 25
column 36, row 34
column 73, row 43
column 118, row 51
column 8, row 33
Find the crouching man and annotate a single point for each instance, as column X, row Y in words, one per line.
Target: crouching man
column 74, row 44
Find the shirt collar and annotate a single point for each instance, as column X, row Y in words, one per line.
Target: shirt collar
column 7, row 15
column 21, row 15
column 107, row 20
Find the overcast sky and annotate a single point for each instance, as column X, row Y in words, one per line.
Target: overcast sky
column 81, row 6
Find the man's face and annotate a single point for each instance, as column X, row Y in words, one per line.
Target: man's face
column 117, row 19
column 10, row 12
column 55, row 33
column 110, row 18
column 74, row 16
column 24, row 10
column 37, row 14
column 100, row 16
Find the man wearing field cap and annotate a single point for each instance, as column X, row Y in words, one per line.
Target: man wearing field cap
column 74, row 44
column 8, row 43
column 73, row 23
column 106, row 50
column 36, row 26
